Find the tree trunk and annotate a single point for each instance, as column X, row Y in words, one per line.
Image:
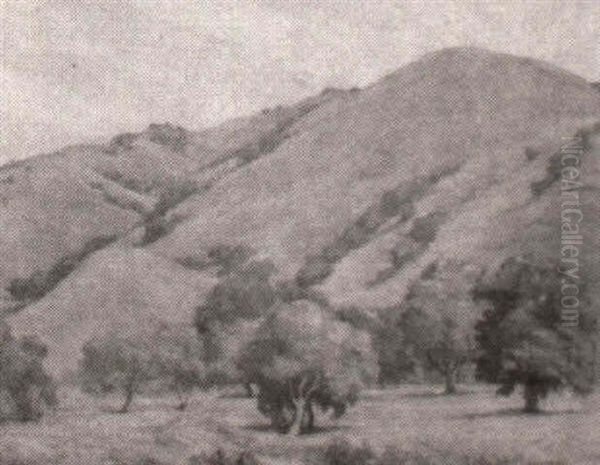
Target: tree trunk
column 128, row 399
column 450, row 382
column 308, row 422
column 182, row 406
column 532, row 399
column 183, row 399
column 296, row 426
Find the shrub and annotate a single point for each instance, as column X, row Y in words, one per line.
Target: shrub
column 425, row 228
column 291, row 291
column 343, row 452
column 553, row 171
column 220, row 457
column 124, row 141
column 175, row 138
column 390, row 203
column 316, row 269
column 229, row 257
column 531, row 153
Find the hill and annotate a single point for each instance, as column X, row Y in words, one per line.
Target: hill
column 448, row 163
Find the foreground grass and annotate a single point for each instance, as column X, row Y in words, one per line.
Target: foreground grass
column 415, row 419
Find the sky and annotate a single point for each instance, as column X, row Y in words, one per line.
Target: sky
column 78, row 71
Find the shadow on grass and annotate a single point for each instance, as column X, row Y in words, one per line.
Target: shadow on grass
column 514, row 412
column 236, row 395
column 266, row 428
column 437, row 395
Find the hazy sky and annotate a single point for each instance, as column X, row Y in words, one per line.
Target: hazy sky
column 76, row 70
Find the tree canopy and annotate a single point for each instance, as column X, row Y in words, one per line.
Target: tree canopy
column 301, row 357
column 130, row 360
column 521, row 336
column 24, row 383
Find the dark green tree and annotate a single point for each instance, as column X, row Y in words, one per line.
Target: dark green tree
column 23, row 378
column 230, row 314
column 522, row 338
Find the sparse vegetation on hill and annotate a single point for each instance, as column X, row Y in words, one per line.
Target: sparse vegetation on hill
column 175, row 138
column 156, row 223
column 40, row 283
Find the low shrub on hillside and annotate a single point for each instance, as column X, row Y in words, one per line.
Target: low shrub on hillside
column 124, row 141
column 425, row 228
column 172, row 193
column 315, row 270
column 174, row 137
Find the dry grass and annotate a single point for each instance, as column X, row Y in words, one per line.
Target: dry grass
column 82, row 431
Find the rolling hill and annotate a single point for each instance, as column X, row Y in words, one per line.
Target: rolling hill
column 448, row 163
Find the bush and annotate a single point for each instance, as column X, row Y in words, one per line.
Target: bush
column 342, row 452
column 315, row 270
column 290, row 291
column 220, row 457
column 175, row 138
column 124, row 141
column 425, row 228
column 229, row 258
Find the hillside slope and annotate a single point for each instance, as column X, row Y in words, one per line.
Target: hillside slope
column 447, row 162
column 53, row 206
column 444, row 138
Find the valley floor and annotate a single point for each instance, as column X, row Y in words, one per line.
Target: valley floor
column 83, row 431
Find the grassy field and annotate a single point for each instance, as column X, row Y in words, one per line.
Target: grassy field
column 83, row 431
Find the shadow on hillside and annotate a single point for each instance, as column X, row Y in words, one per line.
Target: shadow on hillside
column 514, row 412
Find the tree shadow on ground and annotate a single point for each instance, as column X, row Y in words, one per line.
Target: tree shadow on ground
column 266, row 428
column 236, row 395
column 437, row 394
column 515, row 412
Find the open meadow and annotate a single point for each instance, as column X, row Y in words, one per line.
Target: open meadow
column 415, row 418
